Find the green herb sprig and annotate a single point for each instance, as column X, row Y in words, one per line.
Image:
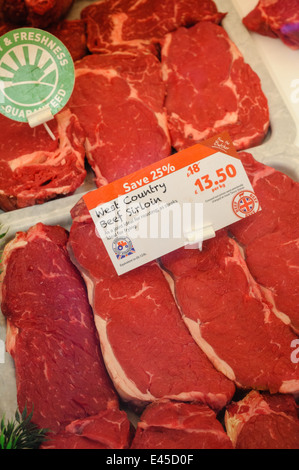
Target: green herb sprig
column 21, row 433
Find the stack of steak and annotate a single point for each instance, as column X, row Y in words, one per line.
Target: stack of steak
column 178, row 340
column 171, row 355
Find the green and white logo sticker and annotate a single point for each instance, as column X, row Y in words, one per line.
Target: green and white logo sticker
column 36, row 73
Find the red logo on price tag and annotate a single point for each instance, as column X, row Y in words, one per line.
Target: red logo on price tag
column 245, row 203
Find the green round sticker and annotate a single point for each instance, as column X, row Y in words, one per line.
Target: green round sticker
column 36, row 72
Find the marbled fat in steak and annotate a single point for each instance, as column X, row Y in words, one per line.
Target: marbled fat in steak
column 210, row 89
column 119, row 101
column 146, row 346
column 33, row 167
column 123, row 25
column 276, row 19
column 50, row 331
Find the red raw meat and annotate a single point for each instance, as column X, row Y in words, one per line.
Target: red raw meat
column 51, row 333
column 171, row 425
column 276, row 19
column 33, row 167
column 263, row 421
column 126, row 24
column 230, row 318
column 210, row 89
column 36, row 13
column 119, row 100
column 72, row 33
column 270, row 238
column 147, row 349
column 110, row 429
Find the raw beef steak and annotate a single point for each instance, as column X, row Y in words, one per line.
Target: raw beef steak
column 119, row 100
column 229, row 317
column 173, row 425
column 73, row 35
column 51, row 333
column 270, row 238
column 146, row 347
column 33, row 167
column 36, row 13
column 129, row 24
column 276, row 18
column 110, row 429
column 210, row 89
column 263, row 421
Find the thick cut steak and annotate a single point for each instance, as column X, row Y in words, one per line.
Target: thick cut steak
column 276, row 18
column 263, row 421
column 173, row 425
column 119, row 100
column 36, row 13
column 230, row 318
column 51, row 333
column 270, row 238
column 210, row 89
column 110, row 429
column 33, row 167
column 129, row 24
column 73, row 35
column 146, row 347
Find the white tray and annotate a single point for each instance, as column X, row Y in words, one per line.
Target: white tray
column 279, row 150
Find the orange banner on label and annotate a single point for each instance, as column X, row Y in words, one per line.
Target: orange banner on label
column 147, row 175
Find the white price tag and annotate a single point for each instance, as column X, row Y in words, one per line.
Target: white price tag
column 179, row 201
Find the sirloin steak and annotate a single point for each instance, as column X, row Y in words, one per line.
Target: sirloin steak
column 122, row 25
column 109, row 429
column 33, row 167
column 263, row 421
column 173, row 425
column 72, row 33
column 230, row 318
column 210, row 89
column 119, row 101
column 50, row 331
column 36, row 13
column 276, row 19
column 270, row 238
column 147, row 349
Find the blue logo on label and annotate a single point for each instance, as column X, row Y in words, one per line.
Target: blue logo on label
column 123, row 247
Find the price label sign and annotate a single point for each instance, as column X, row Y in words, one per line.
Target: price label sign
column 181, row 200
